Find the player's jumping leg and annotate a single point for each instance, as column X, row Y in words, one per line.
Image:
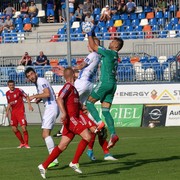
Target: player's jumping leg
column 110, row 123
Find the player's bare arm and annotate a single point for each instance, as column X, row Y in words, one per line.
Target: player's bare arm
column 29, row 104
column 60, row 103
column 45, row 94
column 80, row 66
column 92, row 44
column 8, row 109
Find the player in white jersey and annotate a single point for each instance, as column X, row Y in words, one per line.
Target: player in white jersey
column 45, row 93
column 84, row 84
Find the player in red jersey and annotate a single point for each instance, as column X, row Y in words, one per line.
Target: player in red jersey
column 16, row 107
column 70, row 107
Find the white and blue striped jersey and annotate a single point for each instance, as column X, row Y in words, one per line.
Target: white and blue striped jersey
column 88, row 73
column 42, row 84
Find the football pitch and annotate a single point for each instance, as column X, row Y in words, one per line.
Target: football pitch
column 143, row 154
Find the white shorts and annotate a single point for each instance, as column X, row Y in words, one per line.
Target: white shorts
column 84, row 89
column 50, row 115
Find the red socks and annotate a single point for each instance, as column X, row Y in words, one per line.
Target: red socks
column 19, row 136
column 54, row 154
column 26, row 137
column 91, row 143
column 80, row 149
column 103, row 144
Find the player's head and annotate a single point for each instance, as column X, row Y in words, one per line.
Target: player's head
column 31, row 75
column 69, row 74
column 96, row 40
column 11, row 85
column 116, row 44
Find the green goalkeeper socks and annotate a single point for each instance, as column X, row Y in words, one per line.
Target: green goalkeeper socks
column 109, row 120
column 93, row 111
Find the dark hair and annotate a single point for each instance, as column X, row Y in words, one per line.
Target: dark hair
column 120, row 43
column 29, row 69
column 10, row 81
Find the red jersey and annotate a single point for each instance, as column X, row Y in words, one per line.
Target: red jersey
column 71, row 100
column 15, row 99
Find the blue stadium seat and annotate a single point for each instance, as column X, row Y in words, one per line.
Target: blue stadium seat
column 103, row 29
column 121, row 71
column 27, row 20
column 176, row 27
column 73, row 18
column 132, row 35
column 167, row 15
column 171, row 59
column 129, row 72
column 101, row 24
column 19, row 27
column 143, row 59
column 21, row 79
column 147, row 9
column 80, row 37
column 162, row 34
column 124, row 16
column 96, row 29
column 164, row 65
column 152, row 21
column 161, row 22
column 155, row 28
column 99, row 35
column 115, row 17
column 18, row 20
column 124, row 35
column 106, row 36
column 159, row 14
column 174, row 21
column 158, row 70
column 78, row 30
column 61, row 31
column 138, row 28
column 133, row 16
column 141, row 15
column 63, row 62
column 35, row 21
column 125, row 60
column 97, row 11
column 127, row 22
column 153, row 59
column 168, row 27
column 109, row 23
column 135, row 22
column 97, row 18
column 129, row 28
column 173, row 8
column 140, row 35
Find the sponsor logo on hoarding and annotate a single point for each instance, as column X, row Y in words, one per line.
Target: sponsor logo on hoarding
column 132, row 94
column 165, row 95
column 155, row 114
column 154, row 94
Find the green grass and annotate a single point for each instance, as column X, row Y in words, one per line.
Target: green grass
column 143, row 154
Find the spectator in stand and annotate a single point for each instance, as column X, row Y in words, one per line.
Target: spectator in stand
column 41, row 60
column 105, row 14
column 63, row 9
column 26, row 60
column 8, row 24
column 2, row 22
column 24, row 9
column 97, row 4
column 50, row 8
column 26, row 1
column 59, row 7
column 89, row 18
column 9, row 11
column 80, row 5
column 78, row 14
column 32, row 11
column 71, row 7
column 161, row 6
column 87, row 8
column 121, row 7
column 131, row 6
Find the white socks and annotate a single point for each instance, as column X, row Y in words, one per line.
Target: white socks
column 50, row 145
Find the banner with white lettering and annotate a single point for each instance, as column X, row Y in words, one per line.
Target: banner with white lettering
column 173, row 115
column 154, row 115
column 125, row 115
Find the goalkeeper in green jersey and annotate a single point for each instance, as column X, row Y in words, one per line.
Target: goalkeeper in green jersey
column 104, row 91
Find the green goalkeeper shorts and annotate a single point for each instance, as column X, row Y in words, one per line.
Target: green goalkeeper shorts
column 104, row 92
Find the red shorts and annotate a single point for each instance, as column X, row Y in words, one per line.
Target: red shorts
column 18, row 117
column 75, row 126
column 86, row 120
